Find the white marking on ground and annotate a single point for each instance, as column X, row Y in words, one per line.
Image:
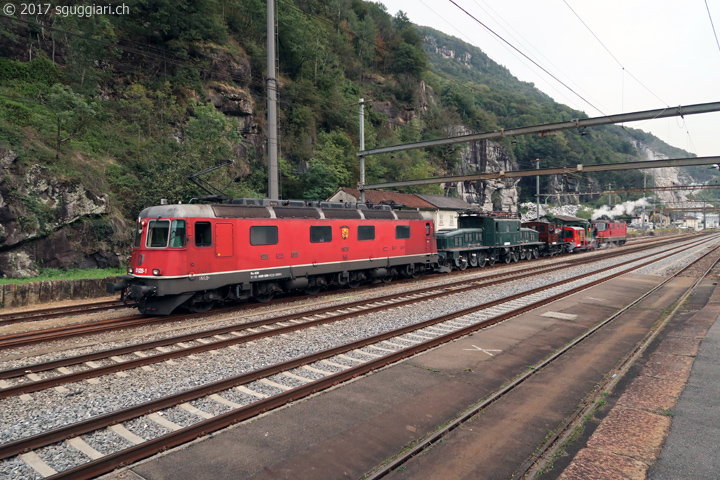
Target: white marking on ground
column 484, row 350
column 560, row 316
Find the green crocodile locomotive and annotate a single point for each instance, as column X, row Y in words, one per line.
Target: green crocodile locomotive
column 482, row 237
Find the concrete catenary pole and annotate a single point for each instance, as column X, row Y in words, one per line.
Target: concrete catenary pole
column 537, row 191
column 272, row 145
column 362, row 147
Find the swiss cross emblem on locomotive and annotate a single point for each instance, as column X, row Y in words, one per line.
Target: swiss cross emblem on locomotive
column 344, row 232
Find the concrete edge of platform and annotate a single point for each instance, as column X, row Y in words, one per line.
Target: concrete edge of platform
column 629, row 439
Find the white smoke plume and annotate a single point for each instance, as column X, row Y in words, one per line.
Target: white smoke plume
column 625, row 208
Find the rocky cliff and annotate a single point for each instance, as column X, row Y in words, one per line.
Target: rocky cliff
column 45, row 222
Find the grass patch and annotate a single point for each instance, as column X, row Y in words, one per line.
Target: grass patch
column 71, row 274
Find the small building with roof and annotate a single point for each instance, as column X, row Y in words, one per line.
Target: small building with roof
column 444, row 210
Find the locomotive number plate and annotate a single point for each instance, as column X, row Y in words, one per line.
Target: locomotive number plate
column 141, row 270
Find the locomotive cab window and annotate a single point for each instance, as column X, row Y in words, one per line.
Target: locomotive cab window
column 177, row 234
column 261, row 235
column 427, row 229
column 320, row 234
column 366, row 232
column 203, row 234
column 138, row 234
column 157, row 236
column 402, row 232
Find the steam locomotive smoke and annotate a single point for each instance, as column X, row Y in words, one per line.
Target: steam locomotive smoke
column 625, row 208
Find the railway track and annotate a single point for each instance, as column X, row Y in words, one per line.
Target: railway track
column 367, row 354
column 54, row 312
column 238, row 333
column 103, row 326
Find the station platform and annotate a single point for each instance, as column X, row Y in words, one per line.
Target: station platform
column 346, row 431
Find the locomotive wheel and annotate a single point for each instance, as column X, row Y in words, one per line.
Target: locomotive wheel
column 264, row 297
column 312, row 289
column 491, row 260
column 536, row 252
column 354, row 283
column 515, row 257
column 201, row 307
column 462, row 263
column 474, row 260
column 415, row 271
column 507, row 258
column 388, row 278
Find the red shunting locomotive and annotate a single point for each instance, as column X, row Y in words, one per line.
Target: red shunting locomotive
column 194, row 256
column 608, row 232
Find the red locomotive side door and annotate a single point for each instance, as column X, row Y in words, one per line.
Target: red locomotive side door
column 224, row 240
column 428, row 237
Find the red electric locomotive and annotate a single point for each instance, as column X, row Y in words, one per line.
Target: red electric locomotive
column 608, row 232
column 574, row 239
column 197, row 255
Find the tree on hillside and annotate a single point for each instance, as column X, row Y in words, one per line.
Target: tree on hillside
column 71, row 112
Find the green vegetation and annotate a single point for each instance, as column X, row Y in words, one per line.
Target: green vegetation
column 71, row 274
column 130, row 105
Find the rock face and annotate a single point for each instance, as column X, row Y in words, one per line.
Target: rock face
column 485, row 156
column 666, row 177
column 45, row 222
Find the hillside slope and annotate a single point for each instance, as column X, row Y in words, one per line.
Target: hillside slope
column 102, row 116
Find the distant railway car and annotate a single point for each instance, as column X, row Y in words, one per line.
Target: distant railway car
column 198, row 255
column 609, row 232
column 549, row 236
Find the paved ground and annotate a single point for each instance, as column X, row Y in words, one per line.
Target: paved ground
column 692, row 449
column 625, row 441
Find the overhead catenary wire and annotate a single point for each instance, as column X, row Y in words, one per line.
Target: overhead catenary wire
column 625, row 70
column 527, row 57
column 712, row 24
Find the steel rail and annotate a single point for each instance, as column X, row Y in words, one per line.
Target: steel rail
column 43, row 313
column 153, row 446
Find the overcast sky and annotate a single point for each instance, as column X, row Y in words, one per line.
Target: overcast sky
column 667, row 45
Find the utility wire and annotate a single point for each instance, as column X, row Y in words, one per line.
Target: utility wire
column 625, row 70
column 712, row 24
column 528, row 58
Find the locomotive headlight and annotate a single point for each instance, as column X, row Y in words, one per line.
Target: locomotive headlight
column 157, row 272
column 130, row 270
